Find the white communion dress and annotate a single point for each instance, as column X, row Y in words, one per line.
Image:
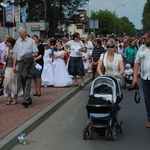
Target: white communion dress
column 48, row 73
column 61, row 75
column 86, row 63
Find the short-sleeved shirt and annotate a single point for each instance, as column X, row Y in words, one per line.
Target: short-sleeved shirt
column 130, row 53
column 143, row 57
column 2, row 52
column 114, row 64
column 74, row 46
column 24, row 46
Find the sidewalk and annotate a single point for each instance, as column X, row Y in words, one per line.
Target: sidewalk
column 15, row 119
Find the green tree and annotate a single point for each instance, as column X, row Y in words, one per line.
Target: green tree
column 146, row 16
column 110, row 23
column 53, row 12
column 106, row 21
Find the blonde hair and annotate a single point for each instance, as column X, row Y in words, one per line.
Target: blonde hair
column 111, row 42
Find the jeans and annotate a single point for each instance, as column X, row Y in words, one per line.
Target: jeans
column 146, row 92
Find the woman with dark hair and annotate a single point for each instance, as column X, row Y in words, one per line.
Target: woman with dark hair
column 37, row 81
column 11, row 81
column 75, row 64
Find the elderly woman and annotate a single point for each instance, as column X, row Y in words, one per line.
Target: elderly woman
column 75, row 64
column 112, row 61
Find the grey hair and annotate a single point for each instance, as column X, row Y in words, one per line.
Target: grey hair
column 111, row 42
column 22, row 29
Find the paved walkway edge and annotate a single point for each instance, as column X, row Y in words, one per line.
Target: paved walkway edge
column 11, row 139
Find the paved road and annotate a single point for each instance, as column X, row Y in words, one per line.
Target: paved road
column 63, row 130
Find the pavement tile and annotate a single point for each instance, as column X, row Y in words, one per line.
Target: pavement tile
column 12, row 116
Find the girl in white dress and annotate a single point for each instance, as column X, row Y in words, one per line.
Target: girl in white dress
column 61, row 75
column 85, row 57
column 47, row 74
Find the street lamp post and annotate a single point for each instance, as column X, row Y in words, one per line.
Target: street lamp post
column 115, row 19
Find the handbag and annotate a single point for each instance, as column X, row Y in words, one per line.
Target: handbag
column 103, row 69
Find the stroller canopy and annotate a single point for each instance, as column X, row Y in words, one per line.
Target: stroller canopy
column 106, row 85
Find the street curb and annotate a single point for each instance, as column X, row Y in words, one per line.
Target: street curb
column 11, row 139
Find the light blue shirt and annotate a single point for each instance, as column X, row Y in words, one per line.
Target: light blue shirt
column 24, row 46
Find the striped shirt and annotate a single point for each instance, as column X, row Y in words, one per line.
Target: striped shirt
column 143, row 57
column 96, row 54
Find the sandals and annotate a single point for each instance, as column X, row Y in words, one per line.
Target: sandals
column 14, row 102
column 9, row 102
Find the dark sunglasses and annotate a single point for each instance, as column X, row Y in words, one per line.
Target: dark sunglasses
column 110, row 46
column 77, row 37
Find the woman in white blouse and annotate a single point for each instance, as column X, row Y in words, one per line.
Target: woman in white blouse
column 112, row 61
column 75, row 64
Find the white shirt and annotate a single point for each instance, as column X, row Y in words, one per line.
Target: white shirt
column 24, row 46
column 128, row 72
column 117, row 58
column 2, row 52
column 143, row 57
column 90, row 47
column 75, row 47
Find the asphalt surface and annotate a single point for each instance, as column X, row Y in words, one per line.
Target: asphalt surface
column 63, row 130
column 15, row 119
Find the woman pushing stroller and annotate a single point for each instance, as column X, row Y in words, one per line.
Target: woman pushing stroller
column 112, row 61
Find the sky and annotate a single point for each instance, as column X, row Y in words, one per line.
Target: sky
column 132, row 9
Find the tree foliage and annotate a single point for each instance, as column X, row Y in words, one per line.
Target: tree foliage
column 146, row 16
column 110, row 23
column 51, row 11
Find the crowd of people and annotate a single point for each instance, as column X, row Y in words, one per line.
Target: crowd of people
column 28, row 63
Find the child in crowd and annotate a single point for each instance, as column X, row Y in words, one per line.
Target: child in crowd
column 47, row 73
column 128, row 72
column 61, row 75
column 85, row 57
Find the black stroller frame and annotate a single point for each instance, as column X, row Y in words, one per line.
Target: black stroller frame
column 102, row 114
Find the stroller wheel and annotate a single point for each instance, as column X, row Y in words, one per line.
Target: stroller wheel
column 85, row 133
column 91, row 133
column 121, row 127
column 114, row 134
column 106, row 134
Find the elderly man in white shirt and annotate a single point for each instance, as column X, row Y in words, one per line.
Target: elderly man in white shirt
column 24, row 45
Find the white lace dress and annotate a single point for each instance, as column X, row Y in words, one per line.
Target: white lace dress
column 61, row 75
column 47, row 74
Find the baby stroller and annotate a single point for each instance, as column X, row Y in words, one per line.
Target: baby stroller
column 102, row 108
